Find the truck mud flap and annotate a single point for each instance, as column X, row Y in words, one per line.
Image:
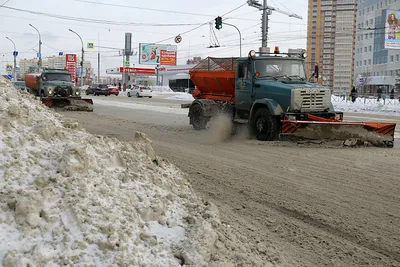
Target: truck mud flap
column 375, row 133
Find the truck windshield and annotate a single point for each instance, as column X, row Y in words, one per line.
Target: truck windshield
column 277, row 68
column 63, row 77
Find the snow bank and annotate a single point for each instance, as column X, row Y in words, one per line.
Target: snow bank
column 161, row 89
column 362, row 105
column 182, row 96
column 75, row 199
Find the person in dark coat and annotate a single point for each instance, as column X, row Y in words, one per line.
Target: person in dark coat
column 379, row 93
column 392, row 94
column 353, row 94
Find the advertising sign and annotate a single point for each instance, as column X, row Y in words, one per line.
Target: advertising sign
column 154, row 54
column 392, row 29
column 70, row 62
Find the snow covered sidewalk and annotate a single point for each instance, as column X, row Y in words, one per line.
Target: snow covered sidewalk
column 366, row 105
column 69, row 198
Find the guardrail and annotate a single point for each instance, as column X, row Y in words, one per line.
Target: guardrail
column 367, row 99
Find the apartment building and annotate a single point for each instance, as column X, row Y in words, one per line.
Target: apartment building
column 330, row 42
column 377, row 57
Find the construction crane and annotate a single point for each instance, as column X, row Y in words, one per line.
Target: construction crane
column 267, row 10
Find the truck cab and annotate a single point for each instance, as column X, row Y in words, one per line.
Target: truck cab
column 52, row 83
column 279, row 82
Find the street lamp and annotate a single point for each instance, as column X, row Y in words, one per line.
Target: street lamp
column 15, row 59
column 83, row 52
column 40, row 47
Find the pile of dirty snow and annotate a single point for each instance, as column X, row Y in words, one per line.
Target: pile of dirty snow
column 71, row 198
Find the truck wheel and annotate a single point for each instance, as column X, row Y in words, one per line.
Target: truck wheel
column 264, row 125
column 197, row 118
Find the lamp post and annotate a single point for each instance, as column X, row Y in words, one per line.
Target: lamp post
column 40, row 47
column 83, row 52
column 15, row 59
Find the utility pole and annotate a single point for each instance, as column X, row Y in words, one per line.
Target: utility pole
column 83, row 53
column 98, row 58
column 40, row 48
column 267, row 10
column 264, row 41
column 15, row 53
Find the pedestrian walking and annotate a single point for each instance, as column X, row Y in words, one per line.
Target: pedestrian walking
column 379, row 93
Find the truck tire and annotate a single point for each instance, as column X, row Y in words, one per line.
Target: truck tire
column 197, row 118
column 264, row 125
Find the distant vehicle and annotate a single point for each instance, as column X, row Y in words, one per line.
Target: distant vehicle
column 140, row 91
column 56, row 90
column 21, row 85
column 90, row 89
column 113, row 90
column 101, row 89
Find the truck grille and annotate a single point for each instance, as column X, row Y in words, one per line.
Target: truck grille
column 311, row 99
column 63, row 91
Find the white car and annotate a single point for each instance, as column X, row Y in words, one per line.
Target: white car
column 140, row 91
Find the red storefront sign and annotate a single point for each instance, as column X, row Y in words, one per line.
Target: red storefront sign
column 70, row 62
column 140, row 71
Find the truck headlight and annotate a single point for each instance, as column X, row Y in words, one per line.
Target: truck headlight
column 77, row 92
column 50, row 90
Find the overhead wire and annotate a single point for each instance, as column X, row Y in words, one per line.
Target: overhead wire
column 100, row 21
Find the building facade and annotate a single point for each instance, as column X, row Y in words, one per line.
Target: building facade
column 330, row 42
column 377, row 63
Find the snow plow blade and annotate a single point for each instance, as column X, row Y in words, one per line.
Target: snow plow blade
column 359, row 133
column 70, row 103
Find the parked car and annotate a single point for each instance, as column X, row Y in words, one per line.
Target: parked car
column 90, row 89
column 140, row 91
column 101, row 89
column 113, row 90
column 20, row 85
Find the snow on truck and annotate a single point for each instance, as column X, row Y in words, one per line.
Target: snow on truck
column 270, row 92
column 55, row 89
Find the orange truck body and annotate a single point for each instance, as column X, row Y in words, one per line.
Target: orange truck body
column 214, row 79
column 32, row 80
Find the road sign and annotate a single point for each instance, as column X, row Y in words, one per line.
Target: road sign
column 15, row 53
column 9, row 67
column 9, row 77
column 39, row 55
column 60, row 53
column 127, row 63
column 90, row 45
column 178, row 39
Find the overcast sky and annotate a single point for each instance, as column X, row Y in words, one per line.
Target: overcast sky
column 284, row 31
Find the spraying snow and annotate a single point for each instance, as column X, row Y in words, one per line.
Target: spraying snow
column 75, row 199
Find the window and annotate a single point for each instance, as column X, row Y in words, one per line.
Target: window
column 369, row 61
column 365, row 49
column 370, row 35
column 365, row 62
column 245, row 70
column 391, row 58
column 397, row 58
column 370, row 48
column 357, row 63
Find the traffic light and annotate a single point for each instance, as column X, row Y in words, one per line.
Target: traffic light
column 218, row 23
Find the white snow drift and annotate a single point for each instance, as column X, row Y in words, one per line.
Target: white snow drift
column 71, row 198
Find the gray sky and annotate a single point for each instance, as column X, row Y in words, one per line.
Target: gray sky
column 285, row 32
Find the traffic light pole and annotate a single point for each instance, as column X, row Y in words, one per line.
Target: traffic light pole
column 15, row 60
column 240, row 36
column 218, row 26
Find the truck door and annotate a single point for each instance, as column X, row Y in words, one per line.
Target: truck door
column 244, row 88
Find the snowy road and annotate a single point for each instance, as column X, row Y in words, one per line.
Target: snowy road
column 311, row 206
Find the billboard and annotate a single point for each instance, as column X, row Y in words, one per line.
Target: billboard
column 157, row 54
column 392, row 29
column 70, row 62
